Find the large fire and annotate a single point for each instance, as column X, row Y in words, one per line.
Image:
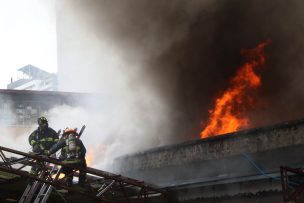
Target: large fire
column 228, row 114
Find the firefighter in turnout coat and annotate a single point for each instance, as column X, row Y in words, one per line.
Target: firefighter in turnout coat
column 41, row 140
column 72, row 154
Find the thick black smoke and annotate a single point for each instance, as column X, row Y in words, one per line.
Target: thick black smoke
column 190, row 49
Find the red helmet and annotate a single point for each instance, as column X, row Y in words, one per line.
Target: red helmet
column 69, row 130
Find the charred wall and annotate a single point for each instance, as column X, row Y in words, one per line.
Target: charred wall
column 234, row 158
column 288, row 134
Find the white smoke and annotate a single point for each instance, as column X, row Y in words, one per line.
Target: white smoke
column 127, row 113
column 115, row 129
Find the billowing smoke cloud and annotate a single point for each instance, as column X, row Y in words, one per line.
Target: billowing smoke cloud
column 159, row 65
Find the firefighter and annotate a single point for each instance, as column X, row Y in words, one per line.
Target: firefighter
column 41, row 140
column 72, row 154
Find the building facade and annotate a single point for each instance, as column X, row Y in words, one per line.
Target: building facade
column 23, row 107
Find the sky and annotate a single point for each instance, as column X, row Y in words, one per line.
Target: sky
column 28, row 36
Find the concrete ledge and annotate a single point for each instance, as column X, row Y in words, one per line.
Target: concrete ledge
column 220, row 157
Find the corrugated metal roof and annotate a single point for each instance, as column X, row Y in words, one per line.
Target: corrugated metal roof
column 34, row 72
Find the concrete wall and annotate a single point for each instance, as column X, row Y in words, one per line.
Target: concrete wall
column 249, row 141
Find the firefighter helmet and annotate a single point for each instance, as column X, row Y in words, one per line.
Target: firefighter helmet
column 69, row 131
column 43, row 123
column 42, row 120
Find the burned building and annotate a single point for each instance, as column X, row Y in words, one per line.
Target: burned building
column 185, row 53
column 240, row 167
column 172, row 61
column 235, row 167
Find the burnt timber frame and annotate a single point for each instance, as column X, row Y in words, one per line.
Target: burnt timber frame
column 291, row 190
column 114, row 188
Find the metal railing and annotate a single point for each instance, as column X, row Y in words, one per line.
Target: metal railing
column 109, row 187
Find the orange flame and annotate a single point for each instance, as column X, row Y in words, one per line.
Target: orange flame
column 94, row 154
column 89, row 157
column 229, row 109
